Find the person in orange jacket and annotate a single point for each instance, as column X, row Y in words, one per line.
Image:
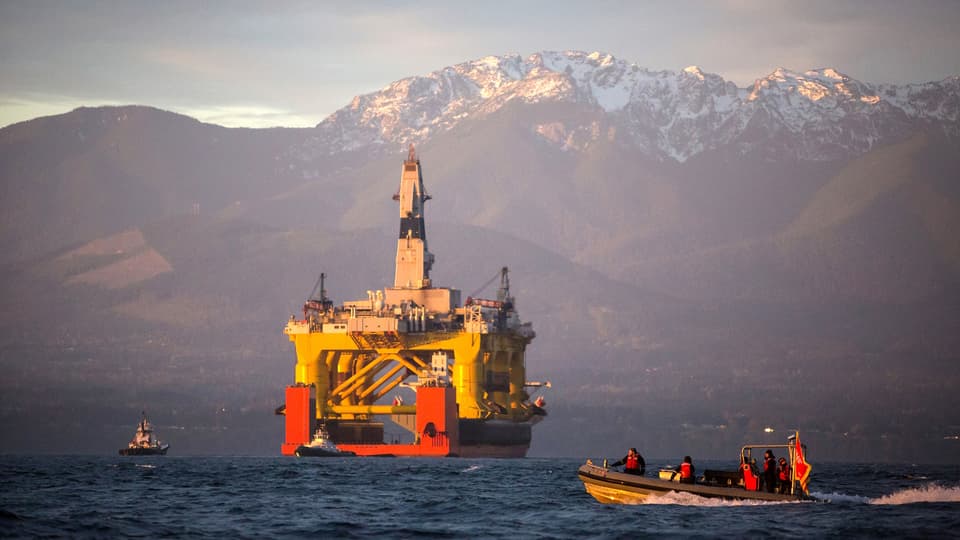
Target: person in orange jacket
column 687, row 471
column 632, row 463
column 783, row 476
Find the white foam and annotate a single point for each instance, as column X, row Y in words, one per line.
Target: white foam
column 689, row 499
column 840, row 497
column 927, row 493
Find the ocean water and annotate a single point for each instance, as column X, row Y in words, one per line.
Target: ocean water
column 256, row 497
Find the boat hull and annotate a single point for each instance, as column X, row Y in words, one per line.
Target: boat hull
column 307, row 451
column 612, row 487
column 477, row 439
column 152, row 451
column 493, row 451
column 494, row 438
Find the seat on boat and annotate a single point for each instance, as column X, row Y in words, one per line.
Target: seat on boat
column 751, row 482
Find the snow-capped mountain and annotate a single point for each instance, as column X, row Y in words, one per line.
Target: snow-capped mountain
column 816, row 115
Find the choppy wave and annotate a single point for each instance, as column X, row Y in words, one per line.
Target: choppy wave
column 214, row 497
column 924, row 494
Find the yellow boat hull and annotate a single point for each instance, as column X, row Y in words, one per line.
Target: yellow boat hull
column 613, row 487
column 611, row 495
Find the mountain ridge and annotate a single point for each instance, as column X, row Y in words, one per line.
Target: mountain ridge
column 668, row 115
column 145, row 252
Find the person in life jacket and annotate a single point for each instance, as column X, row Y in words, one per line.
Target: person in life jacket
column 783, row 476
column 687, row 471
column 632, row 462
column 769, row 472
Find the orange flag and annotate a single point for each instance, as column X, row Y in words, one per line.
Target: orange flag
column 800, row 466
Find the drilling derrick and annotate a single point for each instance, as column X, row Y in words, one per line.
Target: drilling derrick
column 413, row 259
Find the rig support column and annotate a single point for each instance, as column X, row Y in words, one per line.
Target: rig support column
column 300, row 412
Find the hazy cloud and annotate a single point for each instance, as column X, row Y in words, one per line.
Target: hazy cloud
column 311, row 59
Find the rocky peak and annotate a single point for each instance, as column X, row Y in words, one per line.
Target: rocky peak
column 671, row 115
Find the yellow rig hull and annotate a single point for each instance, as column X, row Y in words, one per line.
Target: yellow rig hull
column 351, row 372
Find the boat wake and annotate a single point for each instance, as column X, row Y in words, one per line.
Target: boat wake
column 924, row 494
column 689, row 499
column 840, row 498
column 931, row 493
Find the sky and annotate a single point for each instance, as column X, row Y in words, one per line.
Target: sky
column 261, row 64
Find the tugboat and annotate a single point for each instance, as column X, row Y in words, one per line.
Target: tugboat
column 321, row 446
column 144, row 443
column 611, row 486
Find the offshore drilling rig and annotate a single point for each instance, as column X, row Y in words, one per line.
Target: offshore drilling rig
column 465, row 361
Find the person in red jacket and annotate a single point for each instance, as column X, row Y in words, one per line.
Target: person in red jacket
column 632, row 463
column 783, row 476
column 687, row 471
